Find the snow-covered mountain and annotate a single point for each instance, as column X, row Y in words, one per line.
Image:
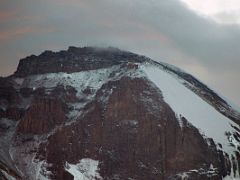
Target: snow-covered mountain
column 90, row 113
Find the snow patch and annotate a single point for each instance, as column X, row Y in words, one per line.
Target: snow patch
column 79, row 80
column 183, row 176
column 86, row 169
column 41, row 170
column 8, row 127
column 230, row 178
column 6, row 175
column 19, row 81
column 210, row 173
column 76, row 110
column 24, row 156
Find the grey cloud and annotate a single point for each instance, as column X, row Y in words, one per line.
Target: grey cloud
column 164, row 30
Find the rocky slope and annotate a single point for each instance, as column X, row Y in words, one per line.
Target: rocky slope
column 90, row 113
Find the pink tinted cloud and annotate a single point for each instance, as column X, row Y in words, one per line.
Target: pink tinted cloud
column 5, row 16
column 13, row 33
column 82, row 3
column 136, row 30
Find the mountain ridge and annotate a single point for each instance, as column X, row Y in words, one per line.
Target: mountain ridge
column 74, row 60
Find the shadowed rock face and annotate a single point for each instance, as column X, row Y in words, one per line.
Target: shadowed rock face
column 125, row 124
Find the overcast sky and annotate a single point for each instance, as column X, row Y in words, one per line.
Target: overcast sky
column 199, row 36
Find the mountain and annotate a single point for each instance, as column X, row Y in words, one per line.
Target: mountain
column 106, row 114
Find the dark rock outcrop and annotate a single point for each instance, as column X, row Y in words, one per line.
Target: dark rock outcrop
column 42, row 116
column 74, row 60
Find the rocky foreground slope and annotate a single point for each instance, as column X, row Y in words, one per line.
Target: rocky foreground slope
column 90, row 113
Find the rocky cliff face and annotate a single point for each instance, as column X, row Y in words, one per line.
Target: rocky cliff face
column 102, row 114
column 43, row 115
column 74, row 60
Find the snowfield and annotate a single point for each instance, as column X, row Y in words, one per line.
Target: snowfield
column 200, row 114
column 86, row 169
column 79, row 80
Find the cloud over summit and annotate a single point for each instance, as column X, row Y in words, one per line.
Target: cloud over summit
column 164, row 30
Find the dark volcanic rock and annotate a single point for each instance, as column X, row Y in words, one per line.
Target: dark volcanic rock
column 74, row 60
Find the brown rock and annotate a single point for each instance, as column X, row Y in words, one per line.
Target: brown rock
column 43, row 115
